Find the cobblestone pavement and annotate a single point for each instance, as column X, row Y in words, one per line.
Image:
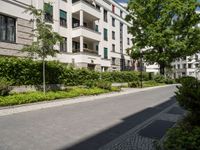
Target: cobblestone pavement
column 146, row 135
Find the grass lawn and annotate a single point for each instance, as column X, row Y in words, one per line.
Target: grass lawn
column 152, row 84
column 31, row 97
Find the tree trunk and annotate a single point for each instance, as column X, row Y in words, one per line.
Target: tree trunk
column 162, row 69
column 43, row 70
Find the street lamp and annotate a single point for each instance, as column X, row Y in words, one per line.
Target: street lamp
column 141, row 69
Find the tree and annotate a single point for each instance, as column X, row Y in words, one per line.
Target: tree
column 164, row 29
column 45, row 39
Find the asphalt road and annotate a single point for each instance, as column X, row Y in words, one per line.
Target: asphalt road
column 84, row 126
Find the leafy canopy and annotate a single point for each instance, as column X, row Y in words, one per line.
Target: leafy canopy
column 164, row 29
column 46, row 39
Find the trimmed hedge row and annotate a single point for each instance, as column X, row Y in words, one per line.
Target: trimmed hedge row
column 21, row 71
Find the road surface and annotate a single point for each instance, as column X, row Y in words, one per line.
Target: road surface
column 84, row 126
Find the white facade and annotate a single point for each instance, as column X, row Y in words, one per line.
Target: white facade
column 187, row 67
column 87, row 21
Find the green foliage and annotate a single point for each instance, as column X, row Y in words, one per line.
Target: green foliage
column 46, row 38
column 188, row 95
column 166, row 29
column 159, row 78
column 134, row 84
column 104, row 85
column 23, row 71
column 151, row 83
column 120, row 77
column 183, row 138
column 24, row 98
column 4, row 87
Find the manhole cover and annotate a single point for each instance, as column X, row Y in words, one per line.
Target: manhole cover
column 176, row 111
column 157, row 129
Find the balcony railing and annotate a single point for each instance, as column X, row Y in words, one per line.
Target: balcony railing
column 85, row 50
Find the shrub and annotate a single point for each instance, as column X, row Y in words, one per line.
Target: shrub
column 31, row 97
column 134, row 84
column 188, row 95
column 119, row 77
column 4, row 87
column 183, row 138
column 169, row 81
column 159, row 78
column 103, row 85
column 89, row 83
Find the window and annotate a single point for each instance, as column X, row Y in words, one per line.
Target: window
column 63, row 18
column 97, row 48
column 96, row 28
column 105, row 15
column 105, row 53
column 113, row 35
column 113, row 47
column 113, row 8
column 7, row 29
column 48, row 12
column 113, row 60
column 121, row 13
column 63, row 45
column 98, row 7
column 128, row 41
column 113, row 22
column 189, row 65
column 105, row 34
column 75, row 23
column 184, row 66
column 178, row 66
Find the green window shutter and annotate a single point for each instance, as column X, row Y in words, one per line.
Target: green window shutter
column 105, row 53
column 63, row 14
column 105, row 34
column 48, row 8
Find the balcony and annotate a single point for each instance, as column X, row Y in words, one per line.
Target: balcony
column 86, row 6
column 86, row 32
column 85, row 50
column 85, row 45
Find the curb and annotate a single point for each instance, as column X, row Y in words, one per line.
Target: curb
column 4, row 111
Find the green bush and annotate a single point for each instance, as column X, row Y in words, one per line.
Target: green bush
column 188, row 95
column 24, row 98
column 134, row 84
column 183, row 138
column 120, row 77
column 159, row 79
column 104, row 85
column 4, row 87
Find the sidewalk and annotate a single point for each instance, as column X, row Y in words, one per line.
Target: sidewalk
column 61, row 102
column 145, row 136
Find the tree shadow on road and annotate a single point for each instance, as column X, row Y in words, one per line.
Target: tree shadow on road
column 100, row 139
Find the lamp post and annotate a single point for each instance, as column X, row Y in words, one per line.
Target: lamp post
column 141, row 69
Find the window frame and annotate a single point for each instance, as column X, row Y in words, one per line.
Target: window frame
column 48, row 17
column 105, row 34
column 64, row 45
column 6, row 28
column 65, row 24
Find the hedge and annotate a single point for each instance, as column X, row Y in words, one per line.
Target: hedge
column 23, row 71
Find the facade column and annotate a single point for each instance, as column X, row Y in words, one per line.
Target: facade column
column 81, row 18
column 81, row 43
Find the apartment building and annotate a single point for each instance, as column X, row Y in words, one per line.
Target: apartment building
column 189, row 66
column 95, row 32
